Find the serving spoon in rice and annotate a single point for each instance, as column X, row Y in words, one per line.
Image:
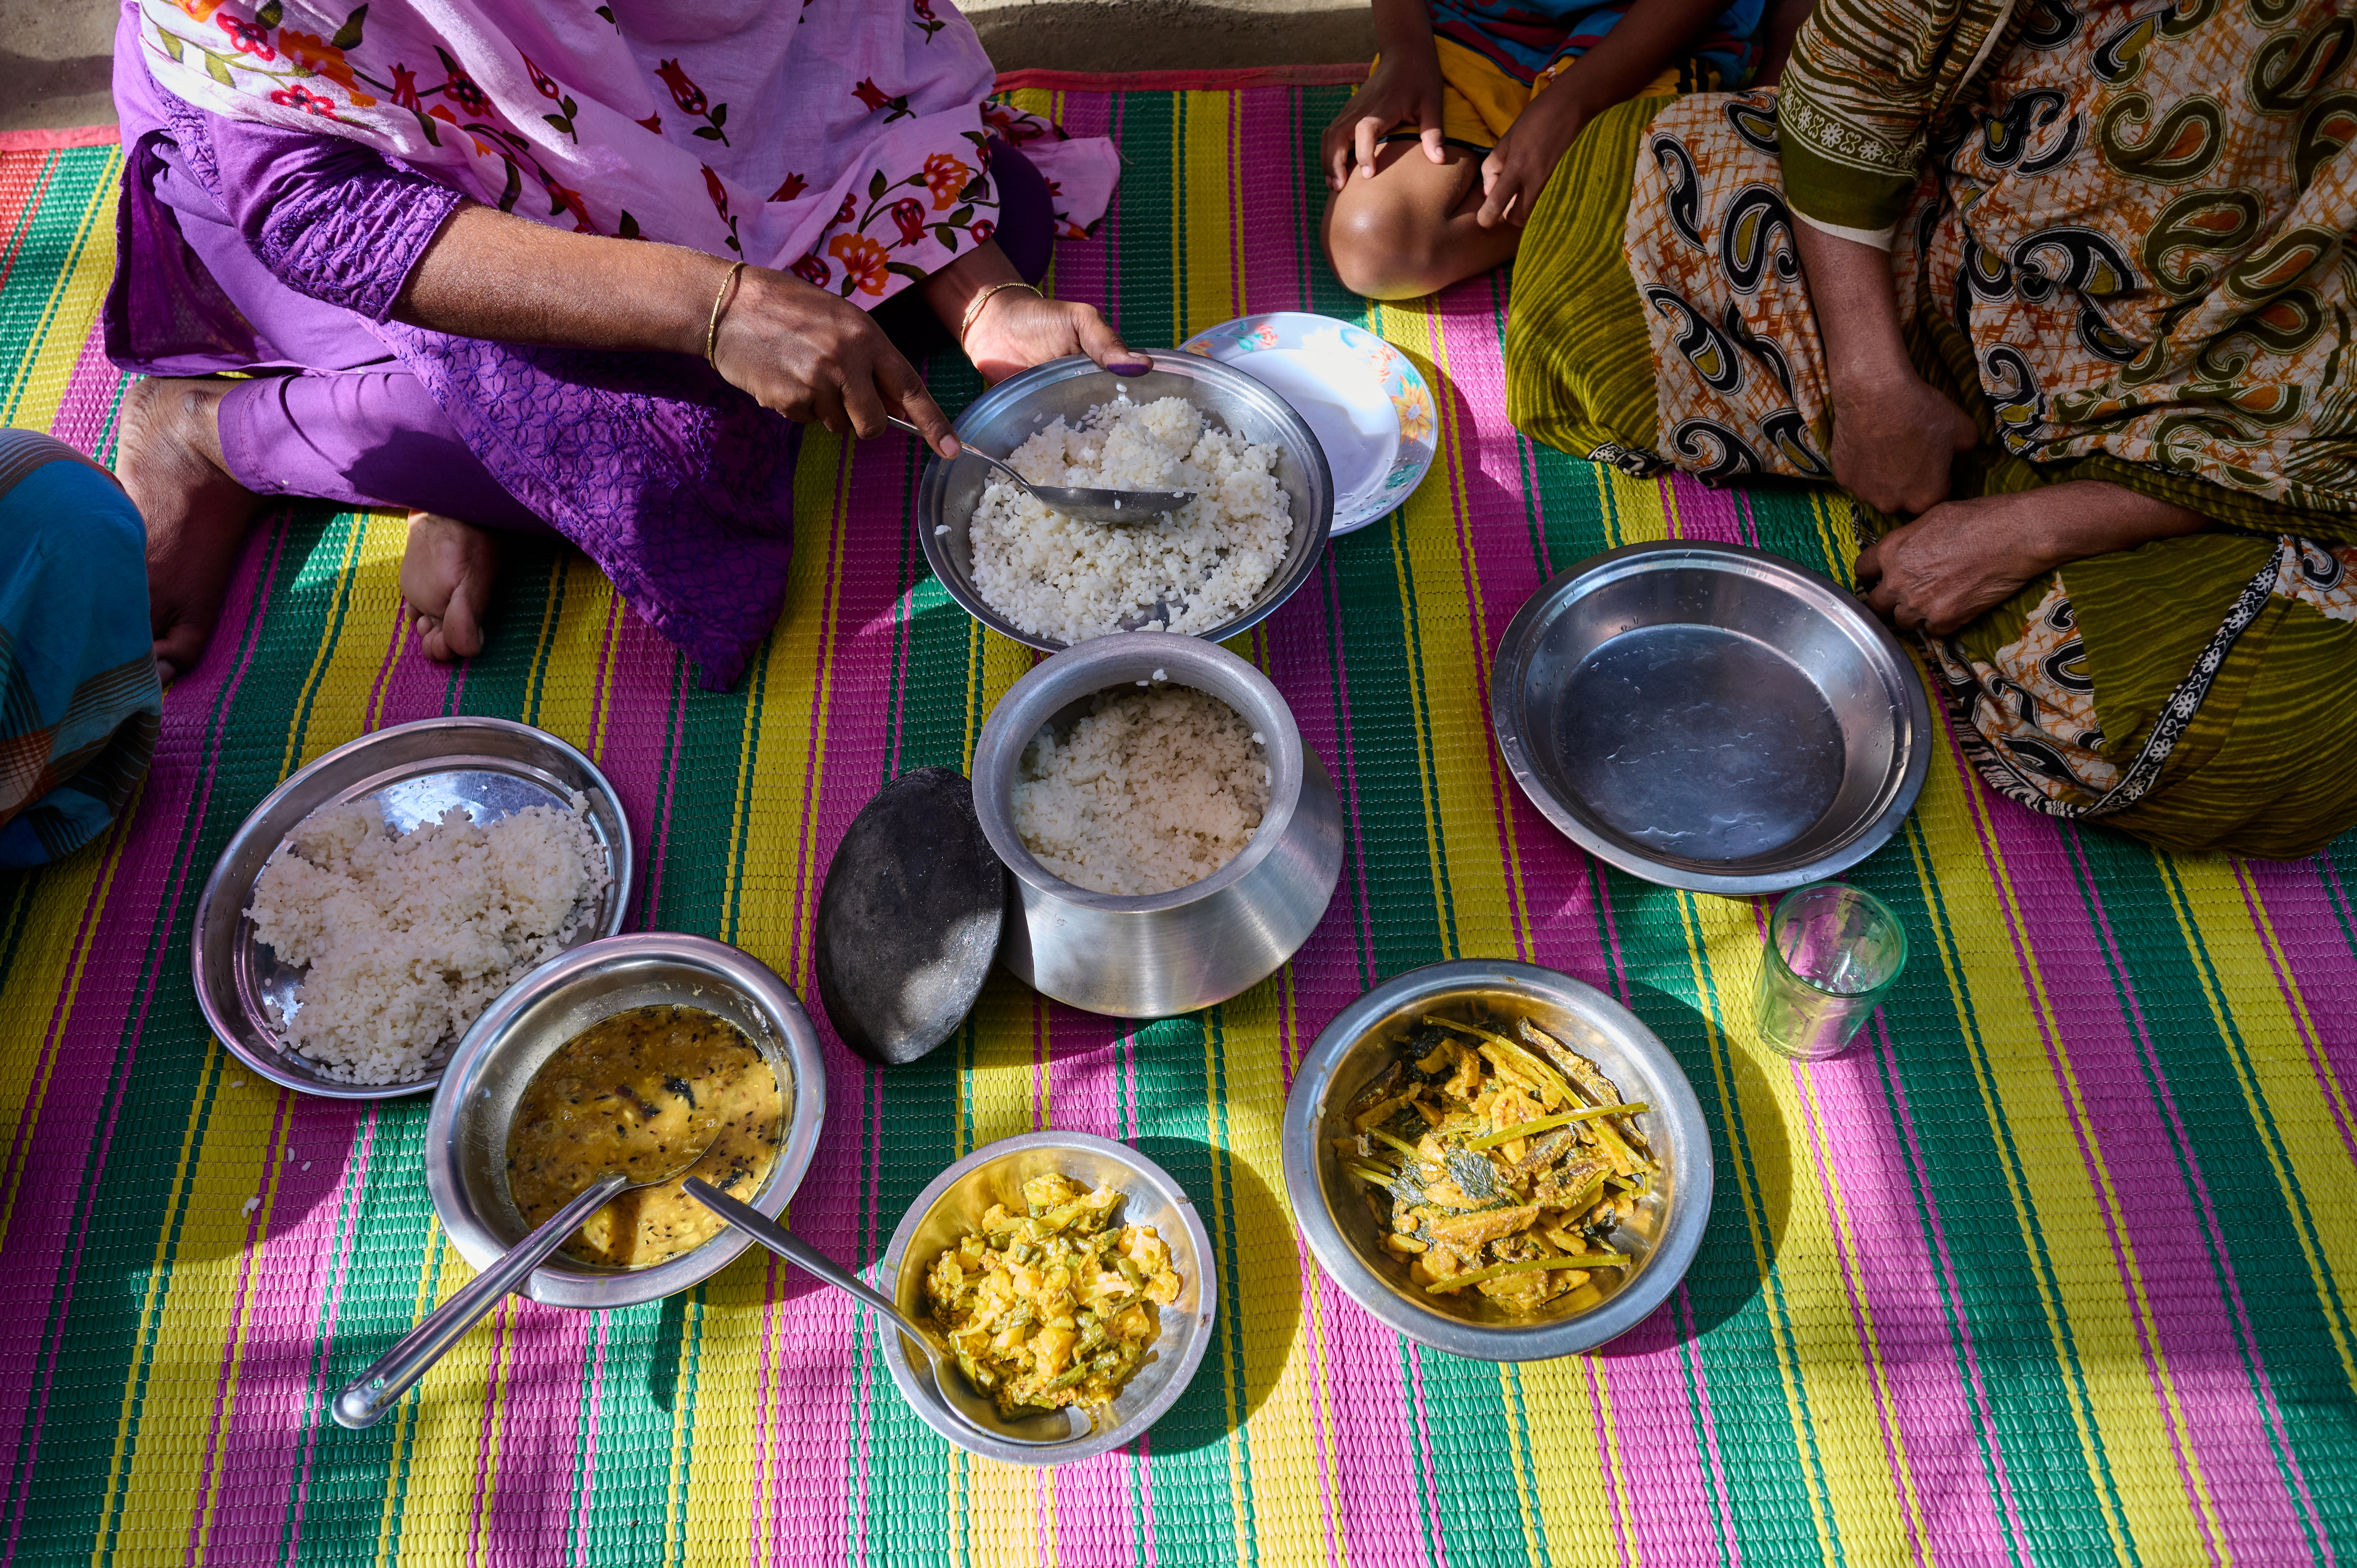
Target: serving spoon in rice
column 367, row 1397
column 1122, row 509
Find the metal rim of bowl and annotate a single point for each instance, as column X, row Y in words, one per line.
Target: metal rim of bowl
column 1100, row 664
column 1342, row 528
column 555, row 1285
column 1657, row 1275
column 1507, row 726
column 1138, row 1421
column 1295, row 569
column 224, row 1016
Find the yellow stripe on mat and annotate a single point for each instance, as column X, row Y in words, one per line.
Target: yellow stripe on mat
column 2276, row 1076
column 1276, row 1385
column 37, row 1005
column 1211, row 236
column 38, row 388
column 1006, row 1095
column 361, row 625
column 774, row 881
column 2106, row 1382
column 570, row 688
column 195, row 1317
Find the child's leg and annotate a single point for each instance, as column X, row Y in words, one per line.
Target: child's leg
column 1410, row 230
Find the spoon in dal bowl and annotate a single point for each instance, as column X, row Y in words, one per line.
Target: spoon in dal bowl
column 367, row 1397
column 1123, row 508
column 960, row 1398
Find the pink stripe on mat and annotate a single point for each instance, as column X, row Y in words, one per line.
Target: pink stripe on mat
column 1886, row 1272
column 539, row 1376
column 2173, row 1232
column 264, row 1433
column 1650, row 1423
column 2297, row 900
column 97, row 1047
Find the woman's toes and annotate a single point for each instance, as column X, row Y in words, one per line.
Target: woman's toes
column 446, row 574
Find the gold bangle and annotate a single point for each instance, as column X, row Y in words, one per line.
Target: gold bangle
column 973, row 307
column 712, row 329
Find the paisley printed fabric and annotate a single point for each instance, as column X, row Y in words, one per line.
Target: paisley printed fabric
column 842, row 140
column 2138, row 230
column 2123, row 253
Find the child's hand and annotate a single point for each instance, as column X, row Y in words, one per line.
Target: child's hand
column 1517, row 169
column 1405, row 86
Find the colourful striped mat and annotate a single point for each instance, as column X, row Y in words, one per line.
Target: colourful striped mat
column 2050, row 1270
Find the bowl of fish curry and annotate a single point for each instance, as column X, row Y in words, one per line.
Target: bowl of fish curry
column 1497, row 1160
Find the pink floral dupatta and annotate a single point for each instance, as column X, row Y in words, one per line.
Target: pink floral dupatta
column 840, row 139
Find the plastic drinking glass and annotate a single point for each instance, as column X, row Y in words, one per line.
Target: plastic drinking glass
column 1833, row 952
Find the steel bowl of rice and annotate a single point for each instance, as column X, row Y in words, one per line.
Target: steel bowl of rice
column 373, row 905
column 1218, row 566
column 1170, row 839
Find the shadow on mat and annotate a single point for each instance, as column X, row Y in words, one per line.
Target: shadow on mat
column 1259, row 1308
column 1751, row 1194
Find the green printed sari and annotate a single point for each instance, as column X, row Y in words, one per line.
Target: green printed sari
column 2117, row 235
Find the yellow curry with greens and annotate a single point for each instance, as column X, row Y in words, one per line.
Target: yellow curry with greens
column 635, row 1092
column 1055, row 1307
column 1498, row 1159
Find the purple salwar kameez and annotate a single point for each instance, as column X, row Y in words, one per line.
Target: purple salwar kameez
column 249, row 247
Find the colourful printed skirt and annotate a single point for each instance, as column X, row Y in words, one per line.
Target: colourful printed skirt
column 2191, row 692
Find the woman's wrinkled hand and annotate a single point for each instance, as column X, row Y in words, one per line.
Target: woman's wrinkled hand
column 1519, row 166
column 1404, row 88
column 820, row 360
column 1959, row 559
column 1893, row 441
column 1018, row 329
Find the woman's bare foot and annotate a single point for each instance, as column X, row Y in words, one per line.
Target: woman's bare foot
column 170, row 461
column 446, row 574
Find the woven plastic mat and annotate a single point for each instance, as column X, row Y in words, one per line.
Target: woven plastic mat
column 2052, row 1268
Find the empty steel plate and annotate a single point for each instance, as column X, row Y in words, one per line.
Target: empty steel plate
column 1710, row 717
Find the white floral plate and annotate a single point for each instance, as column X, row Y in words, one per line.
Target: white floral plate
column 1366, row 400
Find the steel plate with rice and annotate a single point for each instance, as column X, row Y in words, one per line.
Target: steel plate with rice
column 410, row 775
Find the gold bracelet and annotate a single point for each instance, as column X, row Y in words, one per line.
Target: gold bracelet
column 973, row 307
column 712, row 329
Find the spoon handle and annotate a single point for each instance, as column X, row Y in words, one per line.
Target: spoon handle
column 965, row 449
column 367, row 1397
column 797, row 1252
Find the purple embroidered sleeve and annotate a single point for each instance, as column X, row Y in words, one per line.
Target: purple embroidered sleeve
column 330, row 218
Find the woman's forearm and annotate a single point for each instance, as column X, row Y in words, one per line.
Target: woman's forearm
column 2080, row 517
column 493, row 274
column 1641, row 43
column 1857, row 308
column 1402, row 24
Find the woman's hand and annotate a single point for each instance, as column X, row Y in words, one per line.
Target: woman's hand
column 1518, row 167
column 1964, row 557
column 1894, row 439
column 1018, row 329
column 820, row 360
column 1956, row 561
column 1403, row 88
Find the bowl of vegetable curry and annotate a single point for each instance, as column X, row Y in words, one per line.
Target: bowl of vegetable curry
column 1497, row 1160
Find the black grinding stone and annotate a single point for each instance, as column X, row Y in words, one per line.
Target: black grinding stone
column 909, row 918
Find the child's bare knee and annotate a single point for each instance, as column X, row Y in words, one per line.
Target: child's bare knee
column 1380, row 247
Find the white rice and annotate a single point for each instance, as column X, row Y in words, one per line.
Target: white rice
column 1150, row 792
column 409, row 936
column 1198, row 568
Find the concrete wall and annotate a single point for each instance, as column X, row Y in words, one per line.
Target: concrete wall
column 54, row 53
